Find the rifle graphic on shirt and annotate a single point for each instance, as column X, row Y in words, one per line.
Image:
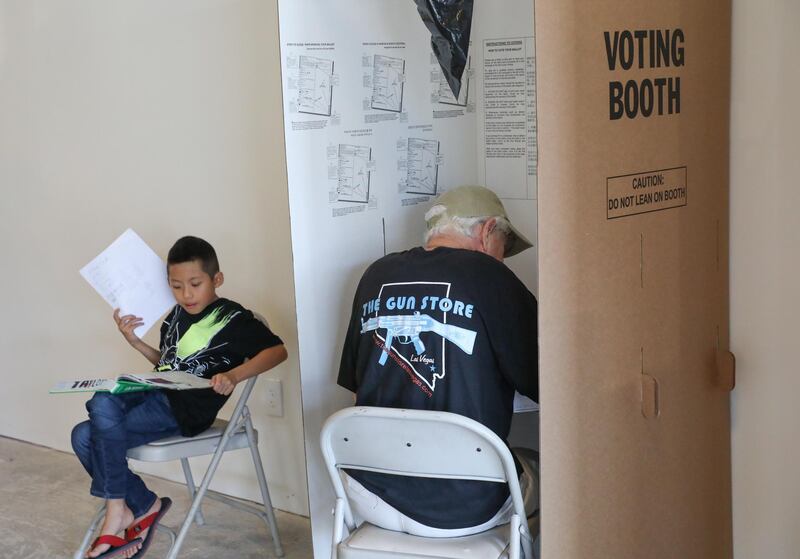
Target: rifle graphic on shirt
column 411, row 325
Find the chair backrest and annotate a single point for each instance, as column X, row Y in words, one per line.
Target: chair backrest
column 415, row 443
column 241, row 403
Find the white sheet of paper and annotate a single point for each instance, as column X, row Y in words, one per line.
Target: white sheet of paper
column 524, row 404
column 131, row 276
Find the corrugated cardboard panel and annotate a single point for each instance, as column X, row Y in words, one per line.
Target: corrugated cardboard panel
column 633, row 299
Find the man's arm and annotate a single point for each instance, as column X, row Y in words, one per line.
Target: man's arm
column 514, row 335
column 347, row 377
column 266, row 359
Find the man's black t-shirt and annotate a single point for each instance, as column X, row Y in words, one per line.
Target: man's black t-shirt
column 448, row 330
column 214, row 341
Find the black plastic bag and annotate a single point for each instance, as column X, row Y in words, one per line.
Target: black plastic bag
column 449, row 22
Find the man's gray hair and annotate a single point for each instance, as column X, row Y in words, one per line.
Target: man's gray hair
column 464, row 226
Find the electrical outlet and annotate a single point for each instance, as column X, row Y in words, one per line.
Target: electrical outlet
column 273, row 397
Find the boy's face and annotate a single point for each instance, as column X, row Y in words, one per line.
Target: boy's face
column 193, row 288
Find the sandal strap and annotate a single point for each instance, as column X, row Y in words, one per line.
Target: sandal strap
column 133, row 531
column 113, row 541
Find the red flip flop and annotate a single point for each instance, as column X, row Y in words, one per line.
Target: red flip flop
column 150, row 521
column 118, row 545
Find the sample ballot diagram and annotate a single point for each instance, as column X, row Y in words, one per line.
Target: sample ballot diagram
column 423, row 168
column 315, row 85
column 387, row 83
column 354, row 173
column 446, row 96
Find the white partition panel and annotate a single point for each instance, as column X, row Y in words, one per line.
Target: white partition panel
column 373, row 134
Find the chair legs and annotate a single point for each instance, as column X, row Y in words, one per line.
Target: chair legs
column 262, row 482
column 198, row 498
column 84, row 547
column 268, row 515
column 514, row 539
column 338, row 526
column 187, row 473
column 196, row 494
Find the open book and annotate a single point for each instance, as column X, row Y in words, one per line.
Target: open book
column 133, row 382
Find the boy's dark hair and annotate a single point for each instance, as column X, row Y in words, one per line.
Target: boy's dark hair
column 189, row 249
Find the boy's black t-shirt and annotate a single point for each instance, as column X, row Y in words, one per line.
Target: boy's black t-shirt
column 214, row 341
column 461, row 333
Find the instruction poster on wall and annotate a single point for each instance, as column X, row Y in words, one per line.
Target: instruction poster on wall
column 373, row 135
column 372, row 123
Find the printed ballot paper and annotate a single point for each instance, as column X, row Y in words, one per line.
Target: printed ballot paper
column 134, row 382
column 131, row 276
column 524, row 404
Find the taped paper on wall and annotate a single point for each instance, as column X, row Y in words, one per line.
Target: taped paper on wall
column 509, row 84
column 388, row 78
column 311, row 83
column 315, row 86
column 354, row 173
column 423, row 166
column 444, row 94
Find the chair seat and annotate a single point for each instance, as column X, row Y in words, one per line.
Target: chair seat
column 371, row 542
column 173, row 448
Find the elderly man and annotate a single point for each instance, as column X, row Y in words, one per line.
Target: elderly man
column 444, row 327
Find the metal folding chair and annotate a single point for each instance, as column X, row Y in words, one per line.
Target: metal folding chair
column 424, row 444
column 222, row 436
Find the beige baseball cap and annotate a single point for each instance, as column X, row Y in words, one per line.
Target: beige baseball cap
column 478, row 201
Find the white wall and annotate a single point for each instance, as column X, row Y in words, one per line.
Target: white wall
column 164, row 117
column 765, row 266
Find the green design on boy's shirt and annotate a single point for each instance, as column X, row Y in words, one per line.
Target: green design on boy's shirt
column 199, row 345
column 200, row 334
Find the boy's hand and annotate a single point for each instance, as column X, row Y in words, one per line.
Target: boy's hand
column 127, row 324
column 223, row 383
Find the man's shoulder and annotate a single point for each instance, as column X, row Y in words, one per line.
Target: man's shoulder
column 475, row 264
column 470, row 270
column 440, row 255
column 399, row 256
column 392, row 261
column 461, row 261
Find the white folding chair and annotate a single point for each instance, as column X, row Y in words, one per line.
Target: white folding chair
column 221, row 437
column 423, row 444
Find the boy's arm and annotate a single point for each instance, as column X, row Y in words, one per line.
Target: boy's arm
column 150, row 353
column 127, row 324
column 224, row 383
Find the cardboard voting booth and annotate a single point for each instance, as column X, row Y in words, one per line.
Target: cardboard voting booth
column 633, row 101
column 603, row 126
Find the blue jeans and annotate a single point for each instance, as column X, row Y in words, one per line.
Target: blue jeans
column 116, row 423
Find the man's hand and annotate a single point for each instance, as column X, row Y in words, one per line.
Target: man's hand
column 223, row 383
column 127, row 324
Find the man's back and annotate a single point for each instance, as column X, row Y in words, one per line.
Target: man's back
column 444, row 329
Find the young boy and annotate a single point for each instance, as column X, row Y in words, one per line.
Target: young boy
column 203, row 334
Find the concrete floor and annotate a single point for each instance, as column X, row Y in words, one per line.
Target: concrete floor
column 45, row 508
